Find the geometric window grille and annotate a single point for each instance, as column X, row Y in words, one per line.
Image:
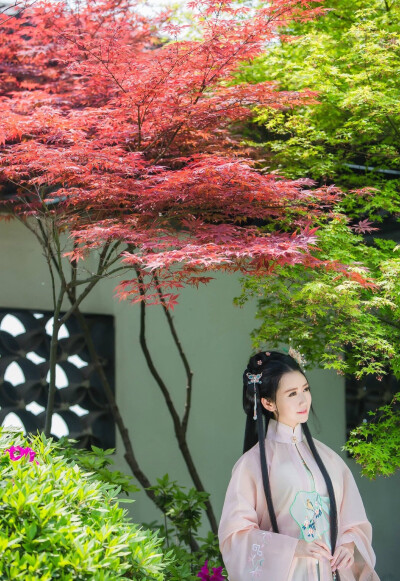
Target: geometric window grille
column 81, row 410
column 367, row 394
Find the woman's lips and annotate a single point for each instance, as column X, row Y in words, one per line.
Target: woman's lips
column 305, row 411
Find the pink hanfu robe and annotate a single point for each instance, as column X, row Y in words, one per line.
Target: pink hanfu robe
column 251, row 550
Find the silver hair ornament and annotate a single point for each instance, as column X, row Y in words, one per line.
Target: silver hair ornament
column 254, row 378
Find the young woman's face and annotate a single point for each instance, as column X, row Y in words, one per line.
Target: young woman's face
column 292, row 397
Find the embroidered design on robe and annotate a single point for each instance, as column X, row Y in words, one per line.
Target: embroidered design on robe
column 256, row 558
column 311, row 513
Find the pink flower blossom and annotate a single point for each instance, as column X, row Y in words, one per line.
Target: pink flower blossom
column 18, row 452
column 216, row 574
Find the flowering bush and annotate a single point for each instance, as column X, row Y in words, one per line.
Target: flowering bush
column 215, row 575
column 18, row 452
column 59, row 521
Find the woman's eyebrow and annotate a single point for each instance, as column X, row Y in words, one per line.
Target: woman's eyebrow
column 294, row 388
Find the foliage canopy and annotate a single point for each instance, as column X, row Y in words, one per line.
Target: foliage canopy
column 350, row 55
column 116, row 132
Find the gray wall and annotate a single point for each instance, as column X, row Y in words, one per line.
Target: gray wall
column 215, row 336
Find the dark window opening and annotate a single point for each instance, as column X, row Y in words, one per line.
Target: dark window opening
column 367, row 394
column 81, row 410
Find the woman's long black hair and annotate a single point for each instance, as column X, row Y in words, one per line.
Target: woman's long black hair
column 272, row 367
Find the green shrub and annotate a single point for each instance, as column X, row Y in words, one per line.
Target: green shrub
column 59, row 521
column 191, row 553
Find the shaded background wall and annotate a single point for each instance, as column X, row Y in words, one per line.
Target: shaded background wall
column 215, row 337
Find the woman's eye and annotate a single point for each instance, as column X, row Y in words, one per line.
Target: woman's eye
column 294, row 393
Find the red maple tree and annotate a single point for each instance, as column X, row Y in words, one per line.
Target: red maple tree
column 120, row 131
column 124, row 135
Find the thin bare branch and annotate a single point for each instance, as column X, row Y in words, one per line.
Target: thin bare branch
column 188, row 371
column 178, row 428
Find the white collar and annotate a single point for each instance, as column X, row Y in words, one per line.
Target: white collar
column 283, row 433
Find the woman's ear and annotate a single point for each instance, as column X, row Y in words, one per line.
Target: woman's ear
column 268, row 404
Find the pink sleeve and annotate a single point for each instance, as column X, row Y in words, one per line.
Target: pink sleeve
column 247, row 551
column 354, row 526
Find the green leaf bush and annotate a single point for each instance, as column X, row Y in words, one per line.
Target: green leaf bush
column 376, row 444
column 59, row 521
column 191, row 554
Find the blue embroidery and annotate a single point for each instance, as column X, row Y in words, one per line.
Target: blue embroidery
column 311, row 512
column 309, row 524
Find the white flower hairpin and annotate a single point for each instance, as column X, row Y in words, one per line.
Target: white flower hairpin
column 297, row 356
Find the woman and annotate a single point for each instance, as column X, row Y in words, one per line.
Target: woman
column 292, row 510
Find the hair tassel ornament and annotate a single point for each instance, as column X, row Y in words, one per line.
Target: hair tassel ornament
column 254, row 378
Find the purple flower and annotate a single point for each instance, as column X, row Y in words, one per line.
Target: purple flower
column 18, row 452
column 216, row 574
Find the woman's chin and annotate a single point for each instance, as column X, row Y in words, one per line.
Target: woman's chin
column 302, row 418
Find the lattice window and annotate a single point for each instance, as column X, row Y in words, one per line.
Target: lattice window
column 81, row 410
column 367, row 394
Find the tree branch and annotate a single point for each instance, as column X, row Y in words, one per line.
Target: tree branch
column 178, row 428
column 129, row 455
column 189, row 372
column 96, row 276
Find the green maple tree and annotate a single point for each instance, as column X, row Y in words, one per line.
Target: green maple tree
column 350, row 55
